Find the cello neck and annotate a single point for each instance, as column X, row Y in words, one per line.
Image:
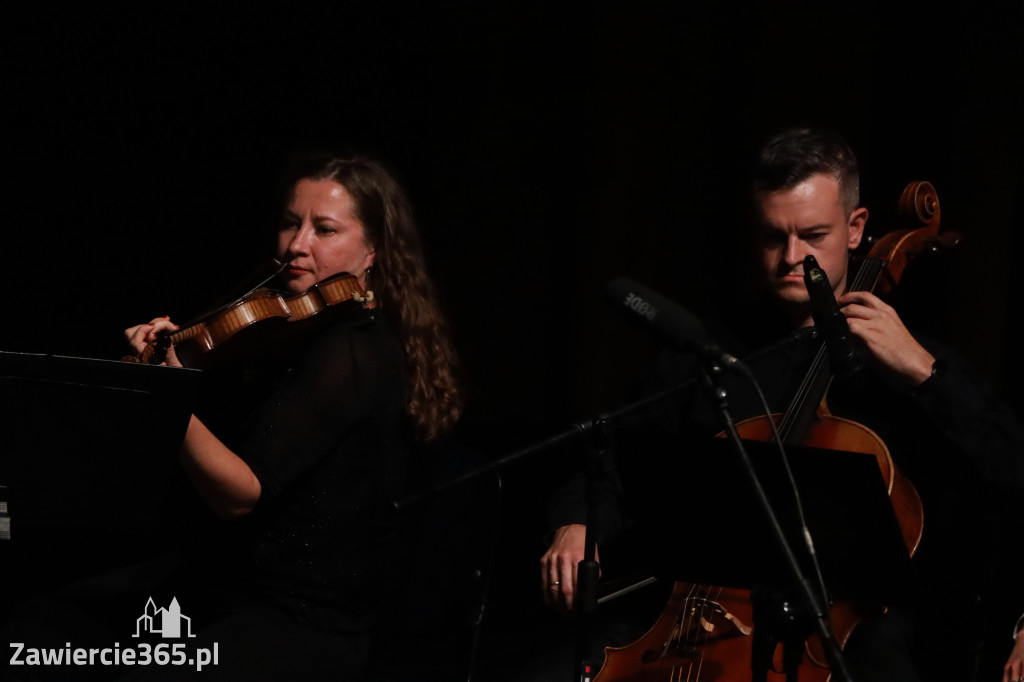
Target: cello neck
column 812, row 389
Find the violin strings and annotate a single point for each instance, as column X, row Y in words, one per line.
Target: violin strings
column 275, row 263
column 280, row 268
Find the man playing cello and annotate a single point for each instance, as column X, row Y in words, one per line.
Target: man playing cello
column 962, row 449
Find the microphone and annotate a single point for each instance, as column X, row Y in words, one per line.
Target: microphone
column 680, row 328
column 830, row 321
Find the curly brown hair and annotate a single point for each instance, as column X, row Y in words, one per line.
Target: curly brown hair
column 399, row 281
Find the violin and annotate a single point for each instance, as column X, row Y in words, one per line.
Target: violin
column 705, row 631
column 256, row 311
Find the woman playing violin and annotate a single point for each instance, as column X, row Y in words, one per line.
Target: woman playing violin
column 308, row 482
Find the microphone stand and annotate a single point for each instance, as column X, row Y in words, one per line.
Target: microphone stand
column 578, row 430
column 600, row 463
column 718, row 395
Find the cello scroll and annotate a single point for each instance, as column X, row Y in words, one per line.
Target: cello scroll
column 919, row 214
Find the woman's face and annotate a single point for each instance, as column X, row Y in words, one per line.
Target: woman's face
column 320, row 236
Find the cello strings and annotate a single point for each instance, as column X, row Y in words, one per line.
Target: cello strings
column 684, row 638
column 815, row 374
column 798, row 503
column 699, row 639
column 679, row 635
column 688, row 620
column 705, row 632
column 713, row 607
column 671, row 643
column 868, row 271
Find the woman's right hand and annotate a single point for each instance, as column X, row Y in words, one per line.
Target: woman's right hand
column 141, row 335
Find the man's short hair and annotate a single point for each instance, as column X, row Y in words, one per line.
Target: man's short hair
column 794, row 155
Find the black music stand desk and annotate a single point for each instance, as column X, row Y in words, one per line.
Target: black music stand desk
column 88, row 465
column 713, row 529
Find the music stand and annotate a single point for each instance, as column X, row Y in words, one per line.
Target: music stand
column 88, row 462
column 702, row 500
column 714, row 531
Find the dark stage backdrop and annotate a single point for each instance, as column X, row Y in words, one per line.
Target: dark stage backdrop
column 547, row 149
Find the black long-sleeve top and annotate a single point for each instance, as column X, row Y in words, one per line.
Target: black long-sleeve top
column 327, row 439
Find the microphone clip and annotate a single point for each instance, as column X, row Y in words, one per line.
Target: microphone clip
column 830, row 322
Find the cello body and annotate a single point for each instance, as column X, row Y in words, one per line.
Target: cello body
column 706, row 631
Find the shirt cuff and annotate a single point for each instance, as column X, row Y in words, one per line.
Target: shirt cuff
column 934, row 379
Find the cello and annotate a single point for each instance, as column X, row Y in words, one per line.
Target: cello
column 705, row 632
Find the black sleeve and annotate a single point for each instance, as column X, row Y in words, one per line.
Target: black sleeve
column 966, row 410
column 331, row 387
column 632, row 437
column 569, row 505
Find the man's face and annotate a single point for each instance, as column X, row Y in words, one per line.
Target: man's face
column 808, row 219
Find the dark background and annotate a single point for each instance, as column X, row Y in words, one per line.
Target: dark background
column 546, row 149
